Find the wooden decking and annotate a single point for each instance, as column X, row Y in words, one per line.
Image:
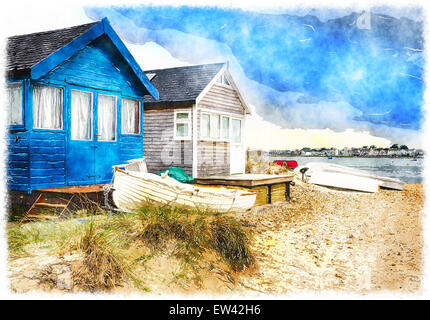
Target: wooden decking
column 262, row 183
column 75, row 189
column 245, row 180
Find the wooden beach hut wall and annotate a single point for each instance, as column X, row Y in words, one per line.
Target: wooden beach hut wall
column 75, row 107
column 198, row 122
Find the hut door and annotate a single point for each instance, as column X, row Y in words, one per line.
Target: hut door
column 237, row 148
column 107, row 146
column 80, row 151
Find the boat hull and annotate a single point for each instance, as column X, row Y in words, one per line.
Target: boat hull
column 134, row 189
column 334, row 175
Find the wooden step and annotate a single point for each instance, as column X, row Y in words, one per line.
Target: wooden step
column 40, row 216
column 41, row 202
column 53, row 205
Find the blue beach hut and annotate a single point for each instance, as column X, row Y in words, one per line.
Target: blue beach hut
column 75, row 107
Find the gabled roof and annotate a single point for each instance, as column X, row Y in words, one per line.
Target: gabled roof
column 38, row 53
column 187, row 85
column 26, row 50
column 181, row 85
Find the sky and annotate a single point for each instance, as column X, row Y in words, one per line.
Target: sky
column 313, row 76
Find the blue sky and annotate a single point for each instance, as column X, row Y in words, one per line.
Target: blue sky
column 299, row 69
column 310, row 69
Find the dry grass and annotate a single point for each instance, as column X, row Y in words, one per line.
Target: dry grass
column 111, row 247
column 105, row 264
column 196, row 233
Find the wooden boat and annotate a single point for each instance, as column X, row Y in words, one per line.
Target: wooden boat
column 333, row 175
column 135, row 188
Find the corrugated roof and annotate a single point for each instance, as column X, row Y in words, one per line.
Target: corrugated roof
column 181, row 84
column 25, row 51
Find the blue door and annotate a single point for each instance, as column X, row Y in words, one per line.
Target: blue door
column 80, row 159
column 93, row 146
column 107, row 151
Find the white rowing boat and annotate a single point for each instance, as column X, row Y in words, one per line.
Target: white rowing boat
column 333, row 175
column 136, row 188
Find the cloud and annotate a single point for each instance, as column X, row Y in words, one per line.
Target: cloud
column 340, row 77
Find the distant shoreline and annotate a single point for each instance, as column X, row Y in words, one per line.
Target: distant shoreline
column 320, row 156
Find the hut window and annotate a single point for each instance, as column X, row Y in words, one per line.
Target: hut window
column 236, row 132
column 205, row 126
column 225, row 128
column 82, row 115
column 130, row 116
column 106, row 115
column 47, row 107
column 223, row 80
column 182, row 124
column 215, row 126
column 15, row 104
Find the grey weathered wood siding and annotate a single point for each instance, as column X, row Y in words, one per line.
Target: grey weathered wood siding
column 223, row 99
column 159, row 147
column 214, row 157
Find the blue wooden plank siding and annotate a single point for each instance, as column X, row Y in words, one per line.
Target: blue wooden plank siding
column 17, row 161
column 41, row 158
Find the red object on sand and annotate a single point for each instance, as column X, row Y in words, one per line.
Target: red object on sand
column 290, row 163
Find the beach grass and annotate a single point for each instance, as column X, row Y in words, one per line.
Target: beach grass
column 107, row 244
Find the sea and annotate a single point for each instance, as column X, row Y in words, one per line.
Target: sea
column 404, row 169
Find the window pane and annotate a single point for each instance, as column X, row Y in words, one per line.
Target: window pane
column 206, row 126
column 225, row 81
column 182, row 116
column 15, row 104
column 106, row 118
column 215, row 126
column 81, row 115
column 130, row 117
column 225, row 134
column 236, row 130
column 182, row 130
column 47, row 107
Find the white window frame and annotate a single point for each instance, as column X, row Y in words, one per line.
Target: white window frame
column 16, row 84
column 140, row 116
column 61, row 108
column 221, row 114
column 223, row 78
column 92, row 114
column 182, row 121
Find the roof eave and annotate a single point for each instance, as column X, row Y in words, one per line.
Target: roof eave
column 170, row 103
column 110, row 32
column 17, row 74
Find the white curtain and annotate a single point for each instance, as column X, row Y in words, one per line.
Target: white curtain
column 15, row 104
column 206, row 126
column 47, row 107
column 106, row 118
column 81, row 115
column 225, row 128
column 182, row 130
column 130, row 119
column 215, row 126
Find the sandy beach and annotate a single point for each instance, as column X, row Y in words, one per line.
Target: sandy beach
column 323, row 239
column 337, row 240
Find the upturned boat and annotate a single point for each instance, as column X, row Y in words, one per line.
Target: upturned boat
column 333, row 175
column 133, row 188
